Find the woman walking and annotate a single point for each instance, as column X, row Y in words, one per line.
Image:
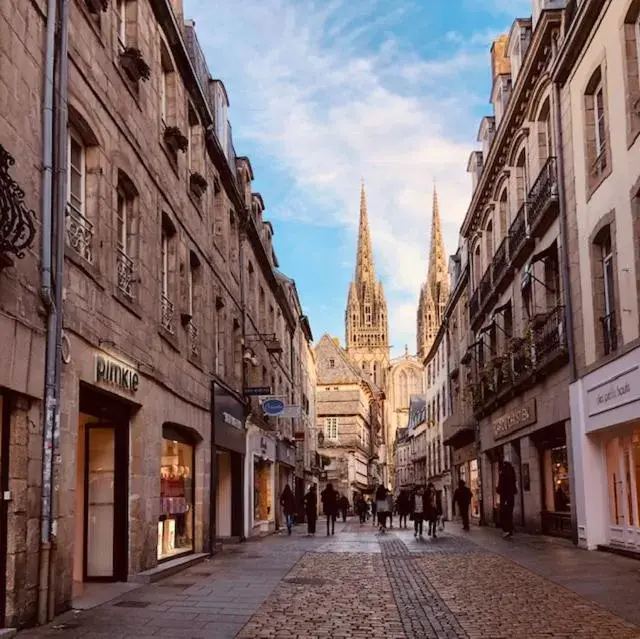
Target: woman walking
column 311, row 509
column 432, row 510
column 381, row 507
column 288, row 503
column 417, row 510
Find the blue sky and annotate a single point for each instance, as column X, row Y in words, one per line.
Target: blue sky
column 326, row 92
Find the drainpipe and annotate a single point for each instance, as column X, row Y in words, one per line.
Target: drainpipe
column 243, row 301
column 46, row 293
column 59, row 230
column 566, row 280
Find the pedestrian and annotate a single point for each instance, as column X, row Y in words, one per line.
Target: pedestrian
column 381, row 508
column 439, row 510
column 462, row 496
column 288, row 503
column 329, row 498
column 417, row 510
column 374, row 511
column 431, row 510
column 390, row 507
column 507, row 489
column 344, row 507
column 311, row 509
column 362, row 508
column 403, row 507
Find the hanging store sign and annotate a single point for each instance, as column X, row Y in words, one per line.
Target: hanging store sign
column 515, row 420
column 114, row 373
column 273, row 407
column 257, row 391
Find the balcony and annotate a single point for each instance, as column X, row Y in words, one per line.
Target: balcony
column 518, row 235
column 474, row 305
column 521, row 359
column 79, row 234
column 549, row 339
column 125, row 274
column 168, row 315
column 486, row 287
column 609, row 333
column 500, row 265
column 542, row 196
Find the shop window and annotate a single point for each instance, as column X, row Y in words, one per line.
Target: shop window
column 474, row 485
column 176, row 522
column 556, row 469
column 262, row 490
column 615, row 484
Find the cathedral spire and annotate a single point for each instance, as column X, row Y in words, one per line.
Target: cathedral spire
column 365, row 271
column 437, row 259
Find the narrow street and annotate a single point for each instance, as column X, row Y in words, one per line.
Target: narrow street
column 360, row 584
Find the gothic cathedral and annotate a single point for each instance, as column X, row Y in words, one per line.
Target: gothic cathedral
column 366, row 319
column 435, row 291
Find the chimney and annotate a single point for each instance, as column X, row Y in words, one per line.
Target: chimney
column 500, row 63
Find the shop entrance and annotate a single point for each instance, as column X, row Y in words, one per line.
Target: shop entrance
column 102, row 473
column 623, row 479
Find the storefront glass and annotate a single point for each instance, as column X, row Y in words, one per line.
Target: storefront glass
column 175, row 527
column 558, row 492
column 474, row 485
column 262, row 490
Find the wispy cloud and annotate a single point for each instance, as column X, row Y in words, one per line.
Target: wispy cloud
column 329, row 93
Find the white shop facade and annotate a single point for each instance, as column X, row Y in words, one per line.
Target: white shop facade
column 605, row 413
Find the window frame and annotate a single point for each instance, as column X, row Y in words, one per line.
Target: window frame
column 164, row 263
column 73, row 137
column 600, row 122
column 121, row 24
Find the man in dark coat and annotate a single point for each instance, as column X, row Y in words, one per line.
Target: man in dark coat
column 311, row 509
column 329, row 498
column 462, row 496
column 507, row 489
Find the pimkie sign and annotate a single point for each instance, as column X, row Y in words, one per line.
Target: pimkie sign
column 515, row 420
column 114, row 373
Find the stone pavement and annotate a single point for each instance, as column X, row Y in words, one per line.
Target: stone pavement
column 362, row 585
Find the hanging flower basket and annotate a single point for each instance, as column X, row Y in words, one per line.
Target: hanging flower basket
column 198, row 184
column 96, row 6
column 175, row 139
column 134, row 64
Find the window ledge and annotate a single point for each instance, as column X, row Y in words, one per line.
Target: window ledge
column 131, row 305
column 133, row 89
column 594, row 183
column 173, row 162
column 91, row 270
column 170, row 339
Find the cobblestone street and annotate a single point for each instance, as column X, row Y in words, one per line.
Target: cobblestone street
column 360, row 584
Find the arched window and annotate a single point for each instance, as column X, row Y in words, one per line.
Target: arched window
column 477, row 265
column 503, row 212
column 545, row 137
column 488, row 238
column 522, row 178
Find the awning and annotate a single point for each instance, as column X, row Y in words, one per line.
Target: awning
column 461, row 436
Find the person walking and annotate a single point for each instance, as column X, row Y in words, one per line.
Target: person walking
column 362, row 508
column 417, row 510
column 344, row 507
column 390, row 507
column 329, row 498
column 311, row 509
column 439, row 510
column 403, row 506
column 381, row 508
column 288, row 503
column 431, row 510
column 462, row 496
column 507, row 489
column 374, row 511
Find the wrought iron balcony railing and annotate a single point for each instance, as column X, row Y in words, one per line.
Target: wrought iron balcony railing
column 549, row 337
column 500, row 262
column 521, row 359
column 518, row 231
column 485, row 287
column 168, row 315
column 543, row 191
column 609, row 333
column 17, row 226
column 474, row 304
column 194, row 339
column 125, row 274
column 79, row 234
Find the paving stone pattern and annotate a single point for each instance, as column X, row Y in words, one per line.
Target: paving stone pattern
column 422, row 610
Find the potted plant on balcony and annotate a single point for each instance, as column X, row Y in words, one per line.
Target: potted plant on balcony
column 134, row 64
column 96, row 6
column 175, row 139
column 197, row 184
column 538, row 319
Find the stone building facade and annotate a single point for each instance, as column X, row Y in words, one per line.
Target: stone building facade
column 598, row 88
column 517, row 297
column 161, row 234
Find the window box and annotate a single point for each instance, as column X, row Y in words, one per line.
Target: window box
column 175, row 139
column 197, row 184
column 96, row 6
column 134, row 64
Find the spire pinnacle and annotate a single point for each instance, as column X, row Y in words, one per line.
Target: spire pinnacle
column 437, row 261
column 364, row 258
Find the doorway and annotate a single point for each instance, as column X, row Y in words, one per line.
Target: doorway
column 101, row 549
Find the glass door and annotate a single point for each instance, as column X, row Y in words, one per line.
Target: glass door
column 100, row 507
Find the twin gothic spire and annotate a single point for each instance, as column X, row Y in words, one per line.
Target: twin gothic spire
column 435, row 291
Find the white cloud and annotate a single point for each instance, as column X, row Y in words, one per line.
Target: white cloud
column 328, row 108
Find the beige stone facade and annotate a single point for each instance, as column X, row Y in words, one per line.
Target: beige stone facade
column 170, row 285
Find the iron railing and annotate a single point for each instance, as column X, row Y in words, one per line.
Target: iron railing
column 79, row 234
column 474, row 304
column 125, row 274
column 518, row 231
column 609, row 333
column 485, row 286
column 543, row 191
column 500, row 262
column 549, row 338
column 168, row 315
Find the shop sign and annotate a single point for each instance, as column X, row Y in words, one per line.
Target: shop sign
column 273, row 407
column 257, row 391
column 617, row 391
column 228, row 414
column 110, row 371
column 231, row 420
column 515, row 420
column 464, row 454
